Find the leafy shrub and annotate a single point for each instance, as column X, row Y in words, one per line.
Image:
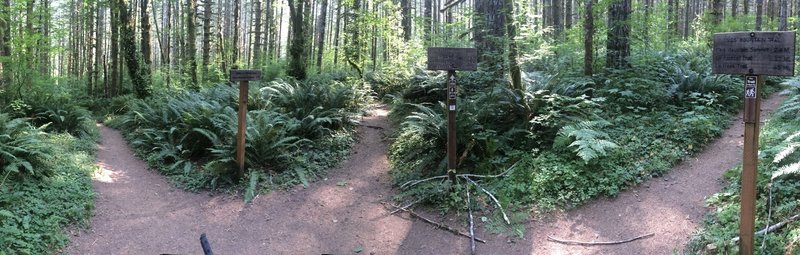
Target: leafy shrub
column 286, row 122
column 21, row 147
column 34, row 212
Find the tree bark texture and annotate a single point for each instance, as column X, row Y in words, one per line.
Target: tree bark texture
column 618, row 43
column 139, row 73
column 297, row 56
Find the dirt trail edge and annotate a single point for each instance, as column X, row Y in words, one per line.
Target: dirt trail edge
column 671, row 206
column 139, row 212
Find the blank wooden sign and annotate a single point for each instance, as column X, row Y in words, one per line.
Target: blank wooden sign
column 453, row 59
column 245, row 75
column 765, row 53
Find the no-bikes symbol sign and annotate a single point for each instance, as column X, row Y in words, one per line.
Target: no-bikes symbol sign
column 750, row 86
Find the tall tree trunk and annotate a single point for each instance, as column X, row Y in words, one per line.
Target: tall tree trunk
column 784, row 10
column 206, row 36
column 618, row 43
column 236, row 21
column 511, row 30
column 490, row 23
column 44, row 40
column 717, row 11
column 145, row 23
column 257, row 33
column 427, row 21
column 5, row 44
column 759, row 14
column 558, row 20
column 297, row 56
column 336, row 38
column 191, row 37
column 90, row 85
column 406, row 22
column 321, row 33
column 568, row 14
column 98, row 46
column 734, row 8
column 745, row 6
column 588, row 39
column 114, row 81
column 139, row 73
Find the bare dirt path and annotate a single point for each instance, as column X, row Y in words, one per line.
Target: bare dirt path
column 671, row 206
column 138, row 212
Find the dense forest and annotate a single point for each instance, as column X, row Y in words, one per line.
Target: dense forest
column 572, row 100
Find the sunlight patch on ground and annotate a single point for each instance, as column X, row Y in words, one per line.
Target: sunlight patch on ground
column 380, row 112
column 104, row 174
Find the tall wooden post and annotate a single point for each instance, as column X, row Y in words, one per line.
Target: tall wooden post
column 752, row 118
column 243, row 77
column 452, row 157
column 242, row 132
column 754, row 54
column 451, row 60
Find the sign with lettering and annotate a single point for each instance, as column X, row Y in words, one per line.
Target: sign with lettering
column 245, row 75
column 766, row 53
column 453, row 59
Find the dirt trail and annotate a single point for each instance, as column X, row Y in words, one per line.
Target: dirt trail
column 671, row 206
column 138, row 212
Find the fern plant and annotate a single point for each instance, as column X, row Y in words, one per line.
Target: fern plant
column 21, row 146
column 585, row 139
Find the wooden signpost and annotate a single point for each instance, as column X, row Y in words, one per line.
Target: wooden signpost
column 243, row 77
column 755, row 55
column 452, row 60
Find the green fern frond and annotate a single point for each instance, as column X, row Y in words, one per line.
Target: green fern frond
column 793, row 168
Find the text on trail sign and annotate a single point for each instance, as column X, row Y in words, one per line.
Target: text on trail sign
column 245, row 75
column 766, row 53
column 455, row 59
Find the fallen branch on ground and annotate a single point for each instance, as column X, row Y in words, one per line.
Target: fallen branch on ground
column 553, row 239
column 411, row 183
column 772, row 228
column 471, row 225
column 505, row 217
column 405, row 206
column 437, row 224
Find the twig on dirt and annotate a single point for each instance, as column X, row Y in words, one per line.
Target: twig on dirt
column 553, row 239
column 471, row 225
column 505, row 217
column 504, row 173
column 373, row 127
column 437, row 224
column 405, row 206
column 773, row 228
column 411, row 183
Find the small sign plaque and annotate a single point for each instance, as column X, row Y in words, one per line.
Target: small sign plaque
column 453, row 59
column 750, row 86
column 766, row 53
column 245, row 75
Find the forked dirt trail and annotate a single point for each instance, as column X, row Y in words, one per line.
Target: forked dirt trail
column 671, row 206
column 139, row 212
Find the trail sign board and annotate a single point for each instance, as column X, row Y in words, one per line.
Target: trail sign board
column 453, row 59
column 756, row 55
column 245, row 75
column 764, row 53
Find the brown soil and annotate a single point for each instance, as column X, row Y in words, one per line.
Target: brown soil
column 139, row 212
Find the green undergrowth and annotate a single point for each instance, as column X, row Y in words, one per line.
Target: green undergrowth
column 44, row 187
column 777, row 172
column 563, row 138
column 295, row 131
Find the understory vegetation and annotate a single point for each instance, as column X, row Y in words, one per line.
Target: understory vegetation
column 778, row 192
column 46, row 160
column 295, row 130
column 564, row 138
